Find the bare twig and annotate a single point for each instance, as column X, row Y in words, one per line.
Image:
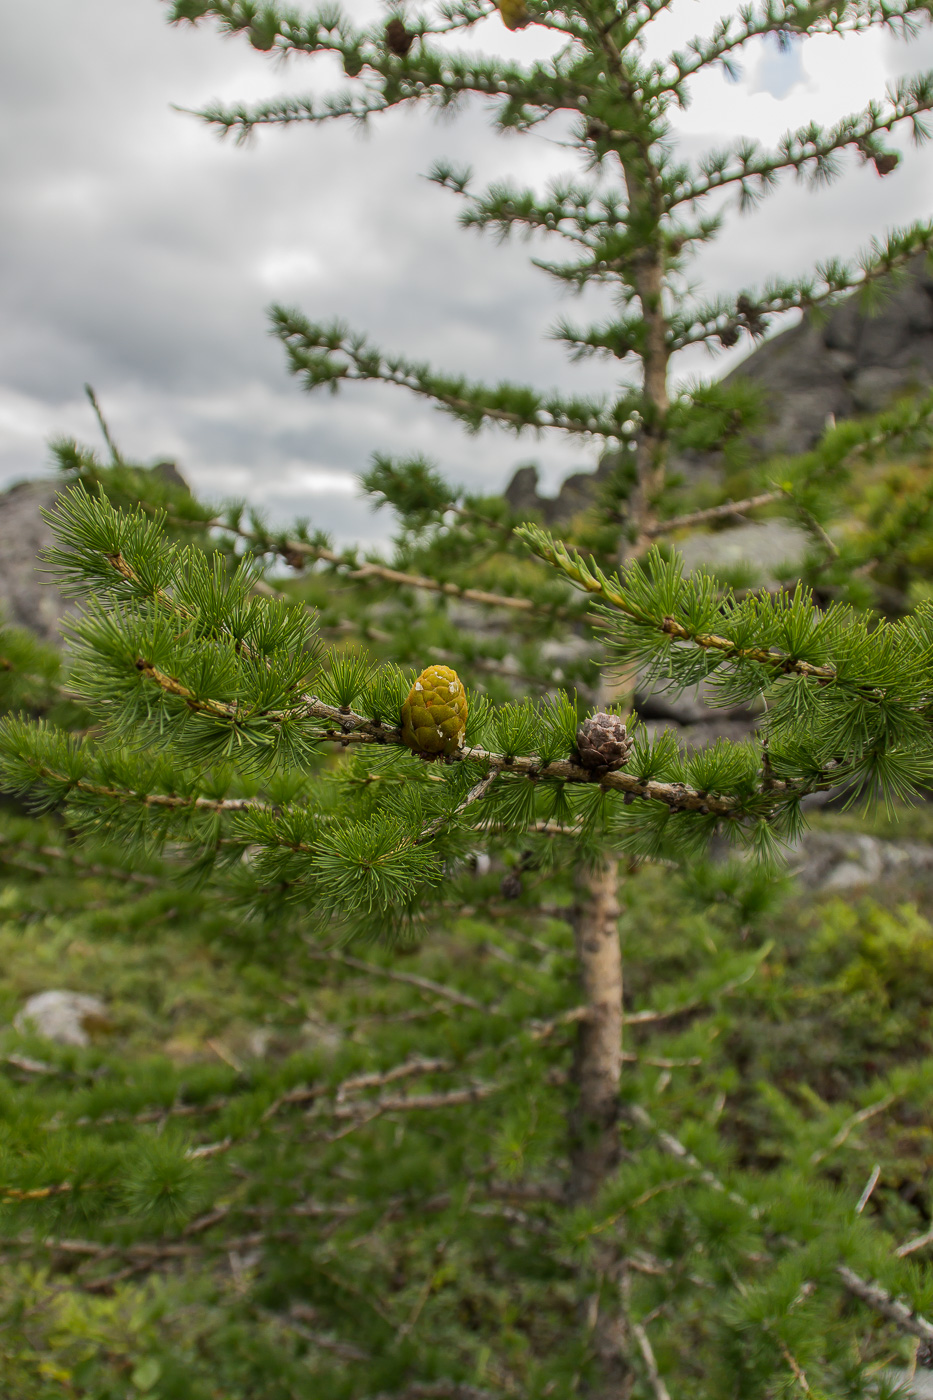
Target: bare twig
column 911, row 1246
column 476, row 794
column 298, row 553
column 98, row 413
column 863, row 1116
column 700, row 517
column 423, row 984
column 675, row 1148
column 871, row 1294
column 869, row 1187
column 880, row 1301
column 651, row 1366
column 643, row 1018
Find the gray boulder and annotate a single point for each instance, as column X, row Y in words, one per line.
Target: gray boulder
column 67, row 1018
column 763, row 550
column 840, row 860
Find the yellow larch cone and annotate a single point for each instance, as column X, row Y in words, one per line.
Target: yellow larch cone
column 434, row 715
column 514, row 14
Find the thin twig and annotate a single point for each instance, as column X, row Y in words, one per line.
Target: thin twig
column 423, row 984
column 869, row 1187
column 863, row 1116
column 114, row 450
column 878, row 1298
column 700, row 517
column 912, row 1245
column 872, row 1294
column 476, row 794
column 651, row 1366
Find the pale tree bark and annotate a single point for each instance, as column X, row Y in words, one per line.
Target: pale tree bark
column 594, row 1122
column 594, row 1130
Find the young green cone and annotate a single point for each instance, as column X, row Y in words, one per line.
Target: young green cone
column 434, row 714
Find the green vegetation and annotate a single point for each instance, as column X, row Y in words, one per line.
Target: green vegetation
column 329, row 1138
column 399, row 1240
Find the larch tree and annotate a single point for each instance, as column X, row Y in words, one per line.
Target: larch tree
column 216, row 709
column 629, row 222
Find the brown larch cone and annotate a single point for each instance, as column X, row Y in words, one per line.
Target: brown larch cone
column 603, row 742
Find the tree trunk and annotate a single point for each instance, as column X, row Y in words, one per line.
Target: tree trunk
column 594, row 1122
column 594, row 1130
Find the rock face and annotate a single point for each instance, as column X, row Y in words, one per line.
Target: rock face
column 761, row 550
column 27, row 597
column 575, row 494
column 850, row 364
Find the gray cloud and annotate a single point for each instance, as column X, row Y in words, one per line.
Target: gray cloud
column 139, row 253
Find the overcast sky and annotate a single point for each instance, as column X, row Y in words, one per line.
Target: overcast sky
column 139, row 252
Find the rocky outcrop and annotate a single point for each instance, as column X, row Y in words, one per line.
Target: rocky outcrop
column 27, row 596
column 576, row 493
column 849, row 364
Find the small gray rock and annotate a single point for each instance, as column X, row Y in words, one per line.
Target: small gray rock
column 840, row 860
column 67, row 1018
column 763, row 549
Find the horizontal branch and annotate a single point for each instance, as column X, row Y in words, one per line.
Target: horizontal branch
column 347, row 727
column 762, row 168
column 410, row 979
column 325, row 355
column 880, row 1301
column 14, row 850
column 702, row 517
column 295, row 552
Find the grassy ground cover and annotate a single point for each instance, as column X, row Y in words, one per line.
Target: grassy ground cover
column 364, row 1150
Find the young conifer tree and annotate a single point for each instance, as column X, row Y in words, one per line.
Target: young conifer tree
column 215, row 706
column 629, row 222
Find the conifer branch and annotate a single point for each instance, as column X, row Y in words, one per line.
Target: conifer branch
column 880, row 1301
column 296, row 553
column 115, row 454
column 422, row 984
column 678, row 796
column 13, row 851
column 328, row 354
column 810, row 149
column 864, row 1115
column 871, row 1294
column 750, row 312
column 783, row 18
column 591, row 579
column 129, row 797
